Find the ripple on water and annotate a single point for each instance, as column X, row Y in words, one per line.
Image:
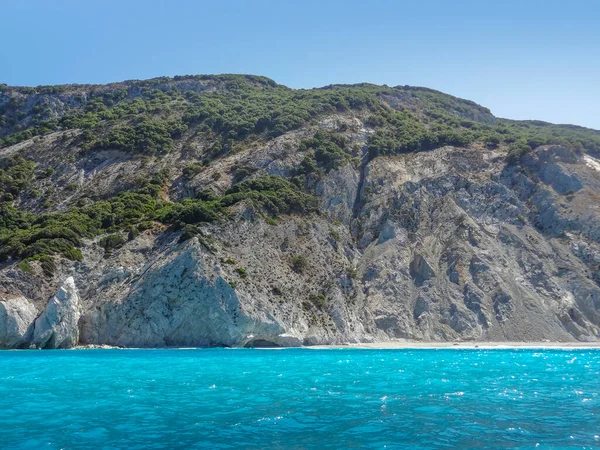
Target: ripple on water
column 296, row 398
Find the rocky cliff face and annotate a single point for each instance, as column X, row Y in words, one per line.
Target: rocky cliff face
column 447, row 244
column 58, row 325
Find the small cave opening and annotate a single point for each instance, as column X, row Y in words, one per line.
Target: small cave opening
column 261, row 343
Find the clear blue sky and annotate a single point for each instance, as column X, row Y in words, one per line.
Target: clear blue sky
column 535, row 59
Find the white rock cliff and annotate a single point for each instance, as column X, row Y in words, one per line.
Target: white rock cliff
column 58, row 325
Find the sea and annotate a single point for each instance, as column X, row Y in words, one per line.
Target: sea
column 300, row 399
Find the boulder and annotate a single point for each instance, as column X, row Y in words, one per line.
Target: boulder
column 58, row 325
column 16, row 322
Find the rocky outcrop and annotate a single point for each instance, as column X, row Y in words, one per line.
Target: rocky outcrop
column 189, row 297
column 16, row 322
column 58, row 325
column 180, row 301
column 448, row 244
column 420, row 269
column 498, row 264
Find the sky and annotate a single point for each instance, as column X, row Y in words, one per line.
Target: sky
column 523, row 59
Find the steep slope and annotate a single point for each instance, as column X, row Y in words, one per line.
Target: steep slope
column 229, row 210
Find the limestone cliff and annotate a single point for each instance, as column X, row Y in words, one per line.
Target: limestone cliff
column 448, row 244
column 58, row 325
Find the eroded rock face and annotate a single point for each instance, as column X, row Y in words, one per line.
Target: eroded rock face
column 58, row 325
column 186, row 300
column 420, row 269
column 449, row 244
column 180, row 303
column 16, row 322
column 497, row 240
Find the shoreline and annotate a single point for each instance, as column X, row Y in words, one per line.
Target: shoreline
column 485, row 345
column 388, row 345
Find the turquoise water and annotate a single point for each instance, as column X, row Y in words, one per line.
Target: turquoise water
column 300, row 398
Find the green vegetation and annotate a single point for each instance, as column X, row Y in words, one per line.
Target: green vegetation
column 146, row 117
column 318, row 300
column 189, row 211
column 228, row 112
column 192, row 169
column 188, row 231
column 25, row 267
column 261, row 106
column 242, row 171
column 299, row 263
column 148, row 136
column 404, row 132
column 271, row 221
column 241, row 272
column 26, row 235
column 16, row 175
column 276, row 291
column 516, row 150
column 111, row 242
column 46, row 263
column 238, row 107
column 274, row 194
column 326, row 151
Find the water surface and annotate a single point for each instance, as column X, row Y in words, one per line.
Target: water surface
column 300, row 398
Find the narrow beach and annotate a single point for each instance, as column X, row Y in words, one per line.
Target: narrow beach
column 467, row 345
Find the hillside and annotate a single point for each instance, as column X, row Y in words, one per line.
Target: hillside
column 230, row 210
